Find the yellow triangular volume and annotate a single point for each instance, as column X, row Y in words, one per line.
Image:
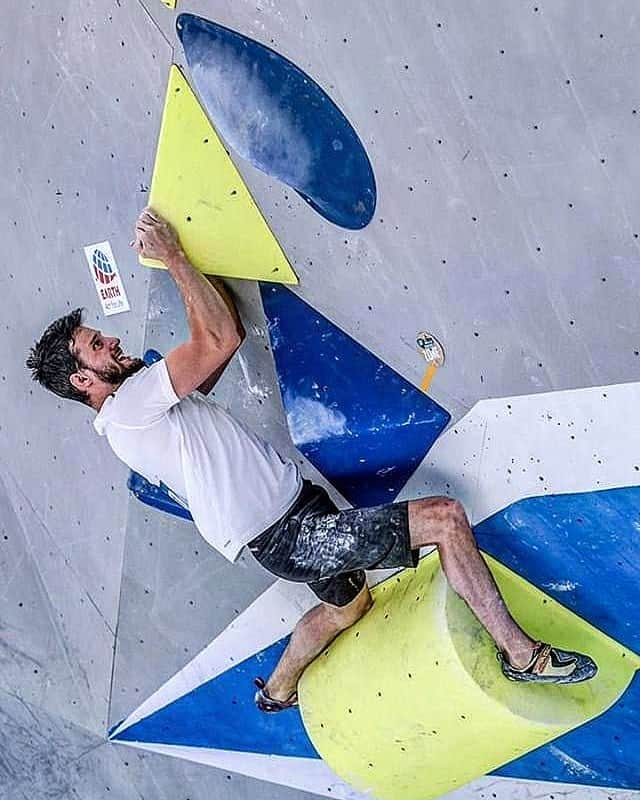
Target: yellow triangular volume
column 170, row 3
column 198, row 189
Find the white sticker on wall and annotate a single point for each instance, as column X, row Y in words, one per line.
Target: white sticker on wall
column 106, row 276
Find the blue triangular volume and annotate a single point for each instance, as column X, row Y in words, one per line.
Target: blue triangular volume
column 583, row 550
column 156, row 496
column 358, row 421
column 221, row 714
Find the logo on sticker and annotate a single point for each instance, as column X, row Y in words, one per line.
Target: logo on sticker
column 102, row 267
column 106, row 277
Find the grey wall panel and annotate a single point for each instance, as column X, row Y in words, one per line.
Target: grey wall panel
column 30, row 766
column 56, row 645
column 47, row 758
column 80, row 113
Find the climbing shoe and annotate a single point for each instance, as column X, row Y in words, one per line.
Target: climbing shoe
column 551, row 665
column 269, row 704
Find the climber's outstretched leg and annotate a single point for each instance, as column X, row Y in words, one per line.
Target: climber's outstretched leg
column 442, row 521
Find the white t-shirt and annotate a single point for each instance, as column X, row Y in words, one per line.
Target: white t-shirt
column 233, row 482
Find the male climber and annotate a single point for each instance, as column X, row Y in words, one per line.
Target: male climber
column 242, row 493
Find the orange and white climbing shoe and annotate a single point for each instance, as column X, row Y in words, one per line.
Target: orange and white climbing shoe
column 551, row 665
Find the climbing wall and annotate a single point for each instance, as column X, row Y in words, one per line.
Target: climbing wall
column 495, row 207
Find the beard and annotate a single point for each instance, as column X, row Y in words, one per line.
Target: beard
column 115, row 374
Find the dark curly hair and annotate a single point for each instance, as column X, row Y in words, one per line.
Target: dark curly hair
column 51, row 361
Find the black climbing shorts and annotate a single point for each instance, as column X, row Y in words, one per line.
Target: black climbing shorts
column 329, row 549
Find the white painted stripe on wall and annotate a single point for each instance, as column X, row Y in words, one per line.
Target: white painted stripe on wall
column 306, row 774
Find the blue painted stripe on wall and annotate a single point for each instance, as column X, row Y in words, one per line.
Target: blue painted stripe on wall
column 221, row 714
column 357, row 420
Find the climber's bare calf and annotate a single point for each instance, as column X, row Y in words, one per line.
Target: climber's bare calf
column 318, row 628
